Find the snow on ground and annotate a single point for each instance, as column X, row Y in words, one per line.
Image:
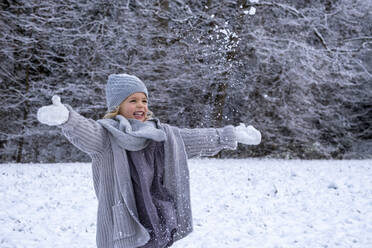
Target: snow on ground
column 236, row 203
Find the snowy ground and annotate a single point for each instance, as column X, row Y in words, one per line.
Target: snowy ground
column 236, row 203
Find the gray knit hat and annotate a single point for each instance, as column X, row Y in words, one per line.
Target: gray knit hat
column 120, row 86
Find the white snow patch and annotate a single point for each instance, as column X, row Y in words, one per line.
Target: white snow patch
column 251, row 11
column 236, row 203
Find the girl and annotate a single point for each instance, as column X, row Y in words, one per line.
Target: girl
column 140, row 172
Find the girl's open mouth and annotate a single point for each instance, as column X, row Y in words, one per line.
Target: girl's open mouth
column 139, row 114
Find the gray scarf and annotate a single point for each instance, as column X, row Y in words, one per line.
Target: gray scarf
column 132, row 134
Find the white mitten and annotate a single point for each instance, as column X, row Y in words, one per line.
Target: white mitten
column 247, row 135
column 55, row 114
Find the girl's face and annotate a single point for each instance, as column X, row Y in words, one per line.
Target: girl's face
column 134, row 107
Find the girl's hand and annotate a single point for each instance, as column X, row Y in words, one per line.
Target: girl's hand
column 247, row 135
column 53, row 115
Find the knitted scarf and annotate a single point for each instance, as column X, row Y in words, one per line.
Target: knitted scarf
column 132, row 134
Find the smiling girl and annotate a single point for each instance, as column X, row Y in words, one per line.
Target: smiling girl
column 140, row 171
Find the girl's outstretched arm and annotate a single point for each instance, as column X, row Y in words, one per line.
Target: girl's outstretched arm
column 86, row 134
column 209, row 141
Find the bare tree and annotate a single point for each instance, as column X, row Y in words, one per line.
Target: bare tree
column 300, row 71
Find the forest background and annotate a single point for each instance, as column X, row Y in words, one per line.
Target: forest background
column 297, row 70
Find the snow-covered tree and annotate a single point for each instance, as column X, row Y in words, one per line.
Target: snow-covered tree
column 300, row 71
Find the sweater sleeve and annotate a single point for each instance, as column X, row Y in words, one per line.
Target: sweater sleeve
column 208, row 141
column 86, row 134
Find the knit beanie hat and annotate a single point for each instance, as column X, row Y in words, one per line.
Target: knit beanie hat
column 120, row 86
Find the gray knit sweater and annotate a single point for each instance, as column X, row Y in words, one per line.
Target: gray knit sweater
column 117, row 218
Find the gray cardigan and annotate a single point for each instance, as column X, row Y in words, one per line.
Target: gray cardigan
column 117, row 218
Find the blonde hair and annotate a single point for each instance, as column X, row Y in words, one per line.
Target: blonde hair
column 112, row 114
column 115, row 112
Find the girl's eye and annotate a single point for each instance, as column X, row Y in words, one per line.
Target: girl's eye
column 144, row 101
column 132, row 100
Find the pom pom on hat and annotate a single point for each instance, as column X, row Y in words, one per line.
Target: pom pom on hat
column 120, row 86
